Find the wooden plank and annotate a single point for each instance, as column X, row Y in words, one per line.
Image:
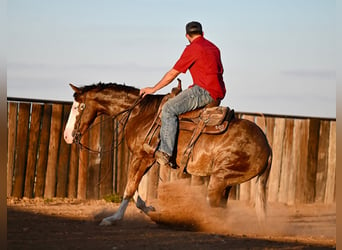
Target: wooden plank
column 83, row 169
column 260, row 120
column 310, row 181
column 73, row 173
column 270, row 124
column 322, row 161
column 300, row 156
column 330, row 190
column 55, row 129
column 287, row 163
column 11, row 139
column 107, row 142
column 94, row 161
column 277, row 148
column 43, row 151
column 32, row 149
column 63, row 158
column 293, row 166
column 21, row 149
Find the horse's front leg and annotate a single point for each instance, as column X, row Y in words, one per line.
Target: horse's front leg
column 117, row 216
column 137, row 169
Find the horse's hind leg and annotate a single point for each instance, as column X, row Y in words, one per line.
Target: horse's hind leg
column 224, row 197
column 140, row 203
column 218, row 192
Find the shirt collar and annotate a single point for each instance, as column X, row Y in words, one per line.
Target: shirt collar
column 197, row 39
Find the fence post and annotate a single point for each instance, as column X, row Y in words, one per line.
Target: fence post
column 310, row 181
column 322, row 161
column 50, row 181
column 63, row 157
column 107, row 140
column 32, row 150
column 43, row 151
column 277, row 148
column 21, row 149
column 12, row 128
column 73, row 173
column 330, row 191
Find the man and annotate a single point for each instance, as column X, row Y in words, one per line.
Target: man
column 203, row 60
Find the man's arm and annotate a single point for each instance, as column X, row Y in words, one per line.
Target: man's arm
column 167, row 78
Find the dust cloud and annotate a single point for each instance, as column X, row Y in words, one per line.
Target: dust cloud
column 182, row 205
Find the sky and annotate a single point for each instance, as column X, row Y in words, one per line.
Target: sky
column 279, row 56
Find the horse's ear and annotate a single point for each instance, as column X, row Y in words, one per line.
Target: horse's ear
column 74, row 88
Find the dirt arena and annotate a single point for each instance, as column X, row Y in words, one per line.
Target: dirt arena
column 182, row 220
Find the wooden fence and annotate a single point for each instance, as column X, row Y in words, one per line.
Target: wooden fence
column 41, row 164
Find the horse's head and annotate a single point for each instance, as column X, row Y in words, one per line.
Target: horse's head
column 82, row 114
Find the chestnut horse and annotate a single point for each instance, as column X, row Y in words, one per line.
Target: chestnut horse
column 232, row 157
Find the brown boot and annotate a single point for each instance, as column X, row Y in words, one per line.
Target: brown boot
column 163, row 159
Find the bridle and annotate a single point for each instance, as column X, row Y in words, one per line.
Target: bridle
column 77, row 135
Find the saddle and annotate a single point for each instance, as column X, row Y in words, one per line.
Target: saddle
column 211, row 119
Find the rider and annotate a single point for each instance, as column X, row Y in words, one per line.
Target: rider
column 203, row 60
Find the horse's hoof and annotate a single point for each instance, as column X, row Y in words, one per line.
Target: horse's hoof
column 105, row 222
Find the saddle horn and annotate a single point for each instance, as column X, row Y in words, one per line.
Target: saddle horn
column 179, row 83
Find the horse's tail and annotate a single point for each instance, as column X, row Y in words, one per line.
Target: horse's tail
column 260, row 199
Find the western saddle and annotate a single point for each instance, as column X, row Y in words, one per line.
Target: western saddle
column 211, row 119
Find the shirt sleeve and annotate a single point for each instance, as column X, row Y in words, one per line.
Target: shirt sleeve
column 186, row 60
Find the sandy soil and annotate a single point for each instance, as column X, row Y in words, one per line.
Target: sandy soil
column 182, row 220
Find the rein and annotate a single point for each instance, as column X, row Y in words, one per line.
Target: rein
column 123, row 121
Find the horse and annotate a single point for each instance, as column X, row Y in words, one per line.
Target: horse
column 235, row 156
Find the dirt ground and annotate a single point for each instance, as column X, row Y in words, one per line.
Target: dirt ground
column 182, row 220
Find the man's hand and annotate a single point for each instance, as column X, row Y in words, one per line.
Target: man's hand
column 146, row 91
column 167, row 78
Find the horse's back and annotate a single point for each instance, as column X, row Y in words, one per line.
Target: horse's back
column 242, row 149
column 246, row 136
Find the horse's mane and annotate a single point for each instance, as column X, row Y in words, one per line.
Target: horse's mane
column 149, row 102
column 101, row 86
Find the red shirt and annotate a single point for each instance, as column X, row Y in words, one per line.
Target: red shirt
column 203, row 59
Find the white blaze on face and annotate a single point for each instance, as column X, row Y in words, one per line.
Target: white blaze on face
column 71, row 123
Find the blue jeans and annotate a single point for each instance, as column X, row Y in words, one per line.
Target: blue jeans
column 187, row 100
